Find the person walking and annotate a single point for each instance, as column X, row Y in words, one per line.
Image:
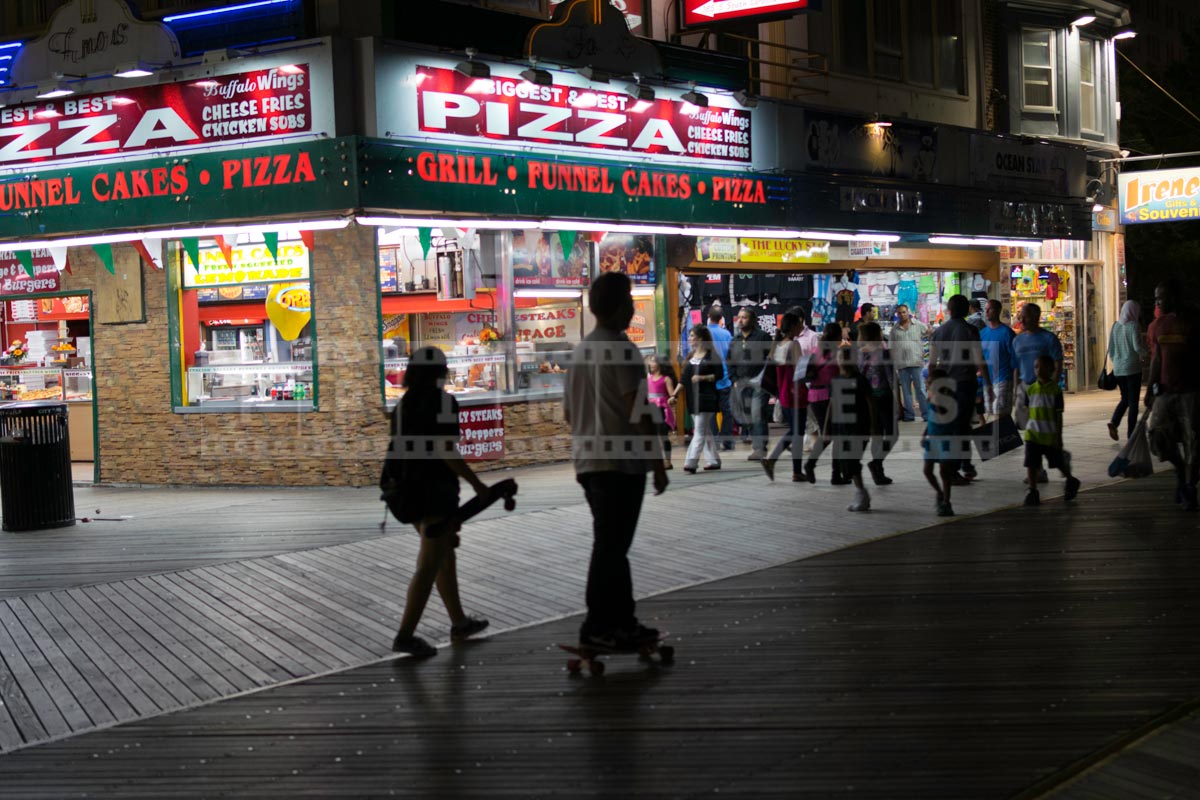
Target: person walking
column 822, row 369
column 875, row 365
column 424, row 467
column 614, row 442
column 848, row 425
column 701, row 374
column 1126, row 350
column 662, row 389
column 938, row 441
column 956, row 348
column 1173, row 394
column 908, row 358
column 997, row 341
column 1031, row 343
column 1043, row 434
column 721, row 340
column 793, row 398
column 749, row 355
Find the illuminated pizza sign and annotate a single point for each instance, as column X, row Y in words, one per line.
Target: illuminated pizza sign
column 706, row 12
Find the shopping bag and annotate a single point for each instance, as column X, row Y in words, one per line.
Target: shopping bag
column 996, row 438
column 1134, row 460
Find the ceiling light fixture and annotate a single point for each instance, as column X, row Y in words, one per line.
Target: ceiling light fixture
column 840, row 236
column 134, row 69
column 472, row 68
column 52, row 89
column 983, row 241
column 639, row 92
column 1086, row 19
column 1128, row 33
column 595, row 75
column 538, row 77
column 695, row 98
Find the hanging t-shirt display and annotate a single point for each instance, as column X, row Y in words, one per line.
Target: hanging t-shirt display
column 845, row 298
column 951, row 285
column 768, row 317
column 712, row 287
column 745, row 286
column 927, row 283
column 794, row 287
column 1052, row 284
column 906, row 291
column 768, row 285
column 978, row 286
column 821, row 287
column 823, row 311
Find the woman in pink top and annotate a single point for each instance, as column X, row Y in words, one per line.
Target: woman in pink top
column 821, row 371
column 793, row 398
column 661, row 388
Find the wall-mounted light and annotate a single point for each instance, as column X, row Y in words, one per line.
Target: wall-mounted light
column 876, row 123
column 133, row 69
column 1086, row 19
column 538, row 77
column 51, row 89
column 695, row 98
column 472, row 68
column 595, row 75
column 1128, row 33
column 745, row 99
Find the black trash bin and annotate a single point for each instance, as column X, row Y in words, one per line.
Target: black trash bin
column 35, row 467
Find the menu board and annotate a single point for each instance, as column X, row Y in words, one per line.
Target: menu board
column 538, row 260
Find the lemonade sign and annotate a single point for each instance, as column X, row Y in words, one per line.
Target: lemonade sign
column 252, row 263
column 289, row 307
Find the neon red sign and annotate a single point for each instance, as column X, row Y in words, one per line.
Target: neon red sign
column 706, row 12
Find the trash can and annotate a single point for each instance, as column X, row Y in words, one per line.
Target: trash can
column 35, row 467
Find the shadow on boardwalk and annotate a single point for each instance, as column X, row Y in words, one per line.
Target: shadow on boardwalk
column 973, row 659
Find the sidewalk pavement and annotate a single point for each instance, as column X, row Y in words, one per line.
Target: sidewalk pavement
column 200, row 594
column 1007, row 655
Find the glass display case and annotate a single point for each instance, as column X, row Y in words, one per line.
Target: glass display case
column 248, row 385
column 22, row 384
column 479, row 375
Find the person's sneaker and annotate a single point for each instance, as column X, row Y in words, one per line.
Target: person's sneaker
column 862, row 501
column 1112, row 432
column 799, row 478
column 1071, row 489
column 837, row 479
column 1189, row 498
column 969, row 472
column 640, row 634
column 959, row 480
column 467, row 628
column 945, row 510
column 1032, row 498
column 413, row 645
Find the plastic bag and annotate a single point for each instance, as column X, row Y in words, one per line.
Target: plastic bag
column 1134, row 460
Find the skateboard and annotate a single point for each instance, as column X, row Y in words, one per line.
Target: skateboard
column 589, row 657
column 506, row 489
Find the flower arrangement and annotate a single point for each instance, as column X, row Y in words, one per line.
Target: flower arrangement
column 16, row 351
column 489, row 337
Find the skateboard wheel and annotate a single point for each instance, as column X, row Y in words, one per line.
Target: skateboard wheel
column 596, row 667
column 666, row 653
column 573, row 665
column 509, row 504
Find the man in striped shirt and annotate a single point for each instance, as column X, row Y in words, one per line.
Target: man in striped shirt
column 1043, row 432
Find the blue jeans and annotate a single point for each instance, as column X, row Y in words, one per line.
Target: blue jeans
column 725, row 433
column 910, row 385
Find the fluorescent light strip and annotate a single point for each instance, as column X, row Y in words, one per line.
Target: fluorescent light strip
column 548, row 293
column 226, row 10
column 761, row 233
column 12, row 45
column 134, row 236
column 980, row 241
column 642, row 291
column 834, row 236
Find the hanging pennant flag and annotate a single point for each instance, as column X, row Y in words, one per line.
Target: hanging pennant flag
column 425, row 236
column 226, row 250
column 59, row 256
column 106, row 255
column 26, row 259
column 150, row 250
column 568, row 243
column 191, row 245
column 309, row 239
column 596, row 236
column 271, row 240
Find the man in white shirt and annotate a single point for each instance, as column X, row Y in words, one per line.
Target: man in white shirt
column 908, row 356
column 614, row 441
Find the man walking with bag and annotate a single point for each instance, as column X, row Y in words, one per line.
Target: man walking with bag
column 749, row 353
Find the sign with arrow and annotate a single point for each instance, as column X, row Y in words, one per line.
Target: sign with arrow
column 706, row 12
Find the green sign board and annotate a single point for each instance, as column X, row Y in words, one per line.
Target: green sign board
column 430, row 180
column 245, row 184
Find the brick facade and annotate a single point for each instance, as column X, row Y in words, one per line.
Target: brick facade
column 143, row 441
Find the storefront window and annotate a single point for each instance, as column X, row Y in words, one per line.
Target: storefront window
column 246, row 327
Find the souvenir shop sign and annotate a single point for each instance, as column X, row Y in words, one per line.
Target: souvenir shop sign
column 481, row 429
column 245, row 184
column 479, row 182
column 227, row 108
column 1002, row 163
column 783, row 251
column 538, row 260
column 868, row 249
column 502, row 108
column 874, row 200
column 251, row 263
column 14, row 279
column 1161, row 195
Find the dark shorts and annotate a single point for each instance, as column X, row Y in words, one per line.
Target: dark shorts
column 942, row 448
column 416, row 501
column 1035, row 451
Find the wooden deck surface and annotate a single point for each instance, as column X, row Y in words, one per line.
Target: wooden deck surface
column 974, row 659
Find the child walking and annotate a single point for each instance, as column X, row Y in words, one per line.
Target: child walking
column 848, row 423
column 1043, row 432
column 661, row 390
column 939, row 440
